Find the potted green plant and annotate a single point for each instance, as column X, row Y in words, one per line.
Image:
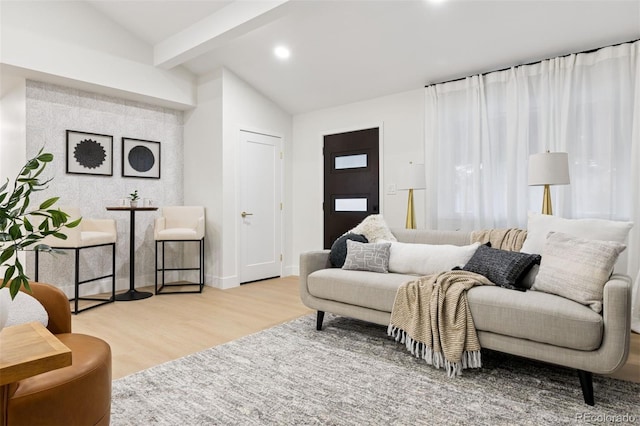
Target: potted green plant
column 22, row 227
column 133, row 197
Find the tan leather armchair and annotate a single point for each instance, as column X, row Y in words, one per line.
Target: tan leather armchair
column 76, row 395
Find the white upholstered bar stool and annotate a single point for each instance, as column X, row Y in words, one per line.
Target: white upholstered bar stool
column 90, row 233
column 179, row 224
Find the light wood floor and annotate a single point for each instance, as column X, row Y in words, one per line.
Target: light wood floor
column 147, row 332
column 151, row 331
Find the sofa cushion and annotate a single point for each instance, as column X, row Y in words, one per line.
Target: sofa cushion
column 536, row 316
column 539, row 226
column 361, row 288
column 432, row 236
column 372, row 257
column 577, row 268
column 503, row 268
column 338, row 252
column 531, row 315
column 426, row 259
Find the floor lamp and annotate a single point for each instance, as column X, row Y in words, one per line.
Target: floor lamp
column 413, row 177
column 548, row 168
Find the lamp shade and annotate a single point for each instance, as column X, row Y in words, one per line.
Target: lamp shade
column 549, row 168
column 412, row 177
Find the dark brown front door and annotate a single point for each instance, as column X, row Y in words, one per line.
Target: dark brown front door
column 351, row 180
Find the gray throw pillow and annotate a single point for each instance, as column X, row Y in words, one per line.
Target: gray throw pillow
column 339, row 248
column 503, row 268
column 372, row 257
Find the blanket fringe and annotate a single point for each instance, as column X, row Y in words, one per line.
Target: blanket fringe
column 469, row 359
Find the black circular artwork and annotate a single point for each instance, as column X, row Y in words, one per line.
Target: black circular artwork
column 141, row 159
column 89, row 154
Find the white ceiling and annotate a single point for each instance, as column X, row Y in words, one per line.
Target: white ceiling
column 346, row 51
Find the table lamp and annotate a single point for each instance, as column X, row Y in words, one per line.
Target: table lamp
column 548, row 168
column 413, row 177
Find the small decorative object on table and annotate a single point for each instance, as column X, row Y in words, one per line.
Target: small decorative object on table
column 134, row 198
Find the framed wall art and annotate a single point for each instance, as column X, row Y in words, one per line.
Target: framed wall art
column 89, row 153
column 140, row 158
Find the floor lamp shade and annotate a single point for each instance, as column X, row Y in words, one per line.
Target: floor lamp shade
column 413, row 177
column 548, row 168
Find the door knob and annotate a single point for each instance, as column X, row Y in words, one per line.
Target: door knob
column 245, row 214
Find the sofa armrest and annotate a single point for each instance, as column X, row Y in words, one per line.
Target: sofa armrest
column 310, row 262
column 616, row 313
column 56, row 304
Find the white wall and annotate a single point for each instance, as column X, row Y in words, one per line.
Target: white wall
column 401, row 117
column 70, row 43
column 226, row 105
column 203, row 168
column 13, row 116
column 245, row 109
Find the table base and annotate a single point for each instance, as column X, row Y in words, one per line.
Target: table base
column 132, row 295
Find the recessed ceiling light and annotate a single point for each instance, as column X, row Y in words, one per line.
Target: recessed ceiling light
column 282, row 52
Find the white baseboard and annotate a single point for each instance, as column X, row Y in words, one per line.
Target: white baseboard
column 224, row 283
column 291, row 270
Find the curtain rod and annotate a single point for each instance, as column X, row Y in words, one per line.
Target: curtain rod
column 534, row 62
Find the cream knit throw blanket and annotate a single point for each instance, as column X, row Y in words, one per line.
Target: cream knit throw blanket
column 431, row 317
column 504, row 239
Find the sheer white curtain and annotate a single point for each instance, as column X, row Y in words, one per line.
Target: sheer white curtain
column 480, row 131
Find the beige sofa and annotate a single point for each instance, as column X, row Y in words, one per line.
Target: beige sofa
column 530, row 324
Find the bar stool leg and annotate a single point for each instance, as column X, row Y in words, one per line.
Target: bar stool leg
column 113, row 272
column 155, row 271
column 37, row 262
column 163, row 263
column 202, row 279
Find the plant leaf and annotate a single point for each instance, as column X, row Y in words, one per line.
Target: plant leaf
column 45, row 158
column 7, row 254
column 8, row 274
column 48, row 203
column 74, row 223
column 27, row 225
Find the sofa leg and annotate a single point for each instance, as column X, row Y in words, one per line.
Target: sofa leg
column 586, row 381
column 319, row 320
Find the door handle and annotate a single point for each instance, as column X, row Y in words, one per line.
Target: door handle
column 245, row 214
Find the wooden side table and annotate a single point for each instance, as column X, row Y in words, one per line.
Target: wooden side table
column 27, row 350
column 30, row 349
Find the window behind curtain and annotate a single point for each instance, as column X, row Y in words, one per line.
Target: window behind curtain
column 480, row 131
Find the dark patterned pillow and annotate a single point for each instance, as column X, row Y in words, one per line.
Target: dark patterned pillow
column 372, row 257
column 503, row 268
column 339, row 248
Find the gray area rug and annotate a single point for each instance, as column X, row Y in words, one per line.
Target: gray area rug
column 351, row 373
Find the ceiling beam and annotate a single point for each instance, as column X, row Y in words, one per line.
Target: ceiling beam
column 232, row 21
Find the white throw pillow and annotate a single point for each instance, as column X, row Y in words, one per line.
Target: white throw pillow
column 374, row 228
column 25, row 308
column 540, row 225
column 577, row 268
column 427, row 259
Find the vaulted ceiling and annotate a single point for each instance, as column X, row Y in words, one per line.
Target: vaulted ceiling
column 346, row 51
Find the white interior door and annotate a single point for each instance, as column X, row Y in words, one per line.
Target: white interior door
column 260, row 206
